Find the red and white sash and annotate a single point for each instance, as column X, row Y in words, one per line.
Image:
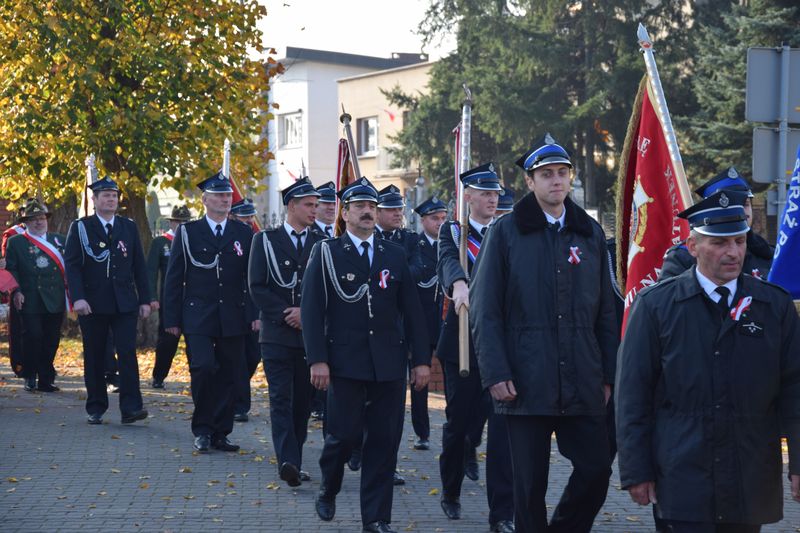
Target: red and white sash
column 53, row 253
column 169, row 235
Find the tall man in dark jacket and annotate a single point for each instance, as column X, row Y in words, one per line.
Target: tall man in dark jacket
column 206, row 298
column 542, row 317
column 157, row 261
column 424, row 257
column 708, row 379
column 277, row 264
column 467, row 400
column 359, row 307
column 245, row 211
column 35, row 260
column 104, row 261
column 757, row 259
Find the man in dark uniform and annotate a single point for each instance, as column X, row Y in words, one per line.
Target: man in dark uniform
column 277, row 264
column 206, row 298
column 157, row 260
column 359, row 307
column 758, row 258
column 708, row 379
column 432, row 213
column 325, row 220
column 104, row 261
column 245, row 211
column 389, row 223
column 324, row 225
column 467, row 399
column 36, row 262
column 542, row 317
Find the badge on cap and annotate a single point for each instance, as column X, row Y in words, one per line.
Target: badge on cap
column 723, row 200
column 491, row 167
column 732, row 173
column 548, row 139
column 364, row 181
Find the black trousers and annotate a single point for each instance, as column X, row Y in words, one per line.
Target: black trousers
column 166, row 347
column 674, row 526
column 419, row 411
column 213, row 367
column 290, row 387
column 348, row 422
column 41, row 337
column 581, row 439
column 466, row 399
column 95, row 330
column 252, row 355
column 15, row 340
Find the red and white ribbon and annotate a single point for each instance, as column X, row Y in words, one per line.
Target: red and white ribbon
column 121, row 246
column 756, row 273
column 237, row 246
column 741, row 307
column 384, row 282
column 574, row 253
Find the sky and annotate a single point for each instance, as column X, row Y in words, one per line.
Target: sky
column 368, row 27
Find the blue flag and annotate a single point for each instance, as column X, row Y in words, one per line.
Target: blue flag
column 786, row 262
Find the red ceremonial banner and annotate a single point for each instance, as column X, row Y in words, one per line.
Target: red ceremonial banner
column 345, row 175
column 648, row 201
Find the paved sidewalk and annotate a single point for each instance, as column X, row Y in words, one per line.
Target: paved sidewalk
column 59, row 474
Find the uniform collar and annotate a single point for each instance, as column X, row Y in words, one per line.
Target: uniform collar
column 431, row 241
column 103, row 221
column 213, row 225
column 710, row 287
column 553, row 220
column 357, row 242
column 289, row 229
column 477, row 225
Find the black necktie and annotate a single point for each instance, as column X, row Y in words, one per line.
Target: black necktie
column 555, row 226
column 723, row 305
column 328, row 231
column 218, row 231
column 365, row 254
column 299, row 242
column 109, row 227
column 483, row 231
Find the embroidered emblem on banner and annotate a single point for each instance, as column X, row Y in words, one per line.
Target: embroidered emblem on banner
column 574, row 255
column 741, row 307
column 384, row 282
column 237, row 247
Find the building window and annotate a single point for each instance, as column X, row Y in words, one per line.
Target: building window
column 290, row 130
column 367, row 136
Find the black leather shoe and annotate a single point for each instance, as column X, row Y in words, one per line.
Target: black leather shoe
column 398, row 479
column 502, row 526
column 305, row 476
column 290, row 474
column 471, row 464
column 241, row 417
column 378, row 527
column 325, row 505
column 201, row 443
column 47, row 387
column 224, row 445
column 451, row 507
column 422, row 444
column 158, row 384
column 30, row 384
column 354, row 463
column 130, row 418
column 94, row 420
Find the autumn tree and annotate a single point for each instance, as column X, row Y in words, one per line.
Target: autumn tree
column 152, row 87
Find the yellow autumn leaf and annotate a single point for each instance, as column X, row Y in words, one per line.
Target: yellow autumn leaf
column 12, row 480
column 433, row 492
column 185, row 470
column 144, row 485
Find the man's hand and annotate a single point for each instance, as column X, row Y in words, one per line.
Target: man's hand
column 795, row 486
column 173, row 331
column 320, row 375
column 144, row 310
column 644, row 493
column 420, row 376
column 19, row 299
column 154, row 305
column 292, row 317
column 606, row 393
column 82, row 307
column 503, row 391
column 255, row 325
column 460, row 294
